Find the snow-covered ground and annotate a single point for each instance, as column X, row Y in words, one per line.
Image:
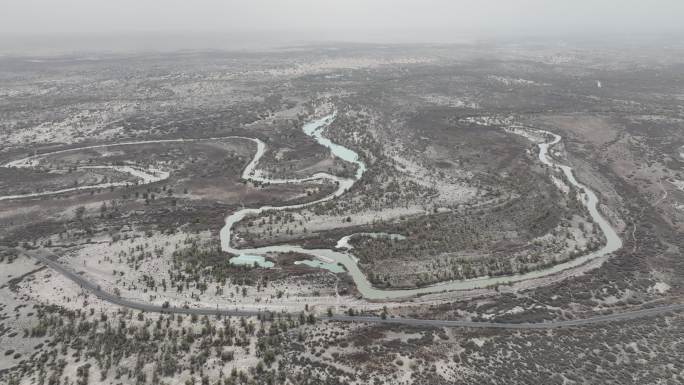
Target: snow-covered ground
column 509, row 81
column 99, row 261
column 678, row 183
column 84, row 125
column 451, row 101
column 16, row 309
column 452, row 188
column 560, row 184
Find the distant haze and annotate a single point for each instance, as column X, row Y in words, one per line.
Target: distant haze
column 94, row 23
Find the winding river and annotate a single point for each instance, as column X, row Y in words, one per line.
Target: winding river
column 329, row 258
column 367, row 290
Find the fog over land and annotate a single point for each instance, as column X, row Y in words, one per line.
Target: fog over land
column 72, row 25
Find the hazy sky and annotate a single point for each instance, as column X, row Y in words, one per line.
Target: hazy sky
column 411, row 20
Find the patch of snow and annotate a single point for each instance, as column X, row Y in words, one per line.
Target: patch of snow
column 515, row 310
column 678, row 183
column 660, row 288
column 488, row 120
column 508, row 81
column 560, row 184
column 451, row 101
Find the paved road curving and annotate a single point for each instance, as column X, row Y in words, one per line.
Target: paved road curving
column 95, row 289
